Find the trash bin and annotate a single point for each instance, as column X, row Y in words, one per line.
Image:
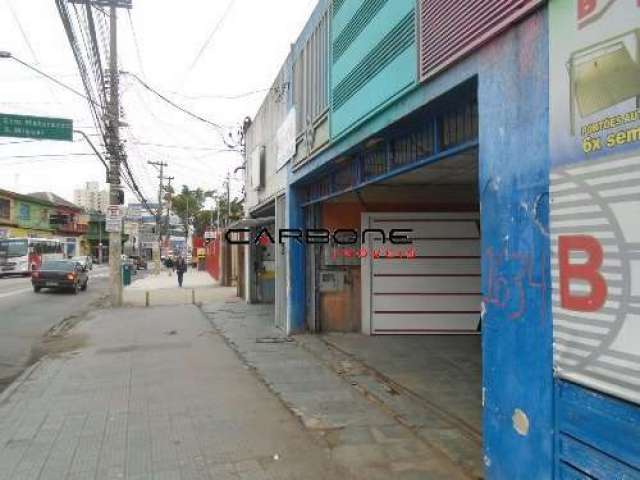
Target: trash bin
column 126, row 275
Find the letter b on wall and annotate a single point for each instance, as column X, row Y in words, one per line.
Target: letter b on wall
column 581, row 271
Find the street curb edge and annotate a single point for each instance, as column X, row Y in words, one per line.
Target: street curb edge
column 19, row 381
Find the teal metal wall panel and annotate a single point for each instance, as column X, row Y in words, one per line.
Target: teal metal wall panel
column 373, row 60
column 342, row 13
column 387, row 84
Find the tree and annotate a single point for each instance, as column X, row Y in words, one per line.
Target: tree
column 189, row 206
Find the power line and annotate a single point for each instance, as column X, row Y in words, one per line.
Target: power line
column 25, row 37
column 217, row 126
column 48, row 155
column 53, row 79
column 223, row 97
column 211, row 35
column 92, row 55
column 184, row 147
column 135, row 43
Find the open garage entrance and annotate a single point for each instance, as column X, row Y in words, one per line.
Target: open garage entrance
column 412, row 312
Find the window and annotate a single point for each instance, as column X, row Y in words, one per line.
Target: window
column 5, row 208
column 25, row 212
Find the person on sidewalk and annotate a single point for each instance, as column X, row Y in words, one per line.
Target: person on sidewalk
column 181, row 267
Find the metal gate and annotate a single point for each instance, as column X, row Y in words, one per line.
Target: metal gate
column 437, row 291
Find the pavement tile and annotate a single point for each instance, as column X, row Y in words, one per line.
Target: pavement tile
column 361, row 437
column 139, row 403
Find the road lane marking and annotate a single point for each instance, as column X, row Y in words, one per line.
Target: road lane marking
column 15, row 292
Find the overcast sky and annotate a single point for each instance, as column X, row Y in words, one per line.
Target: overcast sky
column 244, row 55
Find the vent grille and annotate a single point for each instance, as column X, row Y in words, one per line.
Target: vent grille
column 367, row 11
column 391, row 46
column 337, row 5
column 450, row 30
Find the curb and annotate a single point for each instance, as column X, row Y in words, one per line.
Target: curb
column 19, row 381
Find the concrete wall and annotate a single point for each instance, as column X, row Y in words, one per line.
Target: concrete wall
column 262, row 134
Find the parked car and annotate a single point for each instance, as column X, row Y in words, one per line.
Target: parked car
column 84, row 260
column 60, row 275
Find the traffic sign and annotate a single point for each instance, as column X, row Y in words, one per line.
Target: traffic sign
column 114, row 219
column 41, row 128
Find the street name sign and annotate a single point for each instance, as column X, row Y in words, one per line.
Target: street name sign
column 114, row 219
column 40, row 128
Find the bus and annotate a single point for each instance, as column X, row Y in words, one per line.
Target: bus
column 21, row 256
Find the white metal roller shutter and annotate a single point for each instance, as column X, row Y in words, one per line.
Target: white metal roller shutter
column 438, row 292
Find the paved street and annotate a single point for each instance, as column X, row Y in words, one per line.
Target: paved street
column 153, row 394
column 26, row 316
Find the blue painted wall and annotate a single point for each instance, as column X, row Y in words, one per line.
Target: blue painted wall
column 513, row 96
column 296, row 258
column 361, row 84
column 513, row 102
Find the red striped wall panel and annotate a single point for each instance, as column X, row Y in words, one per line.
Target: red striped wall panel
column 450, row 30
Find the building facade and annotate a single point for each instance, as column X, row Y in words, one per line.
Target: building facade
column 43, row 215
column 7, row 213
column 68, row 221
column 98, row 238
column 500, row 140
column 91, row 197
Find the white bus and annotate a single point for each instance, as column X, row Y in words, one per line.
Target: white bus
column 21, row 256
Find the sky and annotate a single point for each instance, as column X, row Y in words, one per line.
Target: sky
column 245, row 43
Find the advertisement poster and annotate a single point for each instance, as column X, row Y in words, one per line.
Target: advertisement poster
column 595, row 193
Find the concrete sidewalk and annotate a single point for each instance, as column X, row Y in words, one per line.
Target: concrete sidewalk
column 364, row 435
column 162, row 289
column 151, row 394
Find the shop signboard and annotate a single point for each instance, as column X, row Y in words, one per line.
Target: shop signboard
column 595, row 193
column 114, row 219
column 286, row 139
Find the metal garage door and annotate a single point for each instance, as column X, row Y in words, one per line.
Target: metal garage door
column 438, row 291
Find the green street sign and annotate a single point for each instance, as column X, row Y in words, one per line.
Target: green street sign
column 42, row 128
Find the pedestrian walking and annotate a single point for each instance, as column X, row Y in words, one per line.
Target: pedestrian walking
column 181, row 267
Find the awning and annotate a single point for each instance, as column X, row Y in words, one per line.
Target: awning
column 252, row 222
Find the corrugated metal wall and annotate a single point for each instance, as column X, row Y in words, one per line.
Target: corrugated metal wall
column 373, row 57
column 449, row 30
column 310, row 72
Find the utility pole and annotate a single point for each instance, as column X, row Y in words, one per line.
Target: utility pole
column 115, row 189
column 169, row 207
column 156, row 251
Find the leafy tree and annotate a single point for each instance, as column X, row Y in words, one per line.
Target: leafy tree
column 189, row 206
